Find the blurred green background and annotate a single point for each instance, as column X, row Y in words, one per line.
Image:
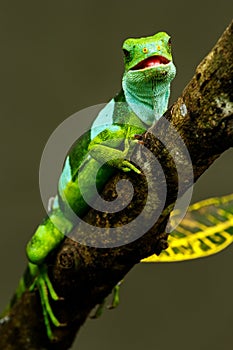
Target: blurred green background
column 58, row 57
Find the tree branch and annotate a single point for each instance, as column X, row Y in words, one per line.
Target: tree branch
column 84, row 275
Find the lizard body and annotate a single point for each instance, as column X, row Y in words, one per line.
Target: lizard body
column 149, row 70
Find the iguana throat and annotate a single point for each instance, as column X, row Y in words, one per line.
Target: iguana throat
column 147, row 90
column 149, row 70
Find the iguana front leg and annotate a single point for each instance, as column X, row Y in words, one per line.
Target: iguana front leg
column 113, row 157
column 103, row 153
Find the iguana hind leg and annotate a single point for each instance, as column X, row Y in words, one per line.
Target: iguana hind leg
column 115, row 302
column 46, row 291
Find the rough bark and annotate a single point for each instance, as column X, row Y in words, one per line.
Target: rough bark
column 85, row 275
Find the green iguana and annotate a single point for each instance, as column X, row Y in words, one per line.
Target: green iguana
column 148, row 72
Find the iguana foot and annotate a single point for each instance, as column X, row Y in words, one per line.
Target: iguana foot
column 46, row 290
column 99, row 310
column 116, row 296
column 114, row 304
column 114, row 157
column 126, row 166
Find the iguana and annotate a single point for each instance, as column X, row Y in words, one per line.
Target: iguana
column 148, row 72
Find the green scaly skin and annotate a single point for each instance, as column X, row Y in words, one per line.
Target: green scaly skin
column 149, row 71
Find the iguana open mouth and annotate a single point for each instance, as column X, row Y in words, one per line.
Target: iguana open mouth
column 151, row 62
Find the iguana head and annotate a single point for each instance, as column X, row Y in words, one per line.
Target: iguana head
column 149, row 58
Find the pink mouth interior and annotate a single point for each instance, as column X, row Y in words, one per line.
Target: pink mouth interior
column 150, row 62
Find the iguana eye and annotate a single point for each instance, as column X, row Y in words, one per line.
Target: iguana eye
column 127, row 54
column 145, row 50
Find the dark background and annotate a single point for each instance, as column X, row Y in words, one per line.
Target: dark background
column 58, row 57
